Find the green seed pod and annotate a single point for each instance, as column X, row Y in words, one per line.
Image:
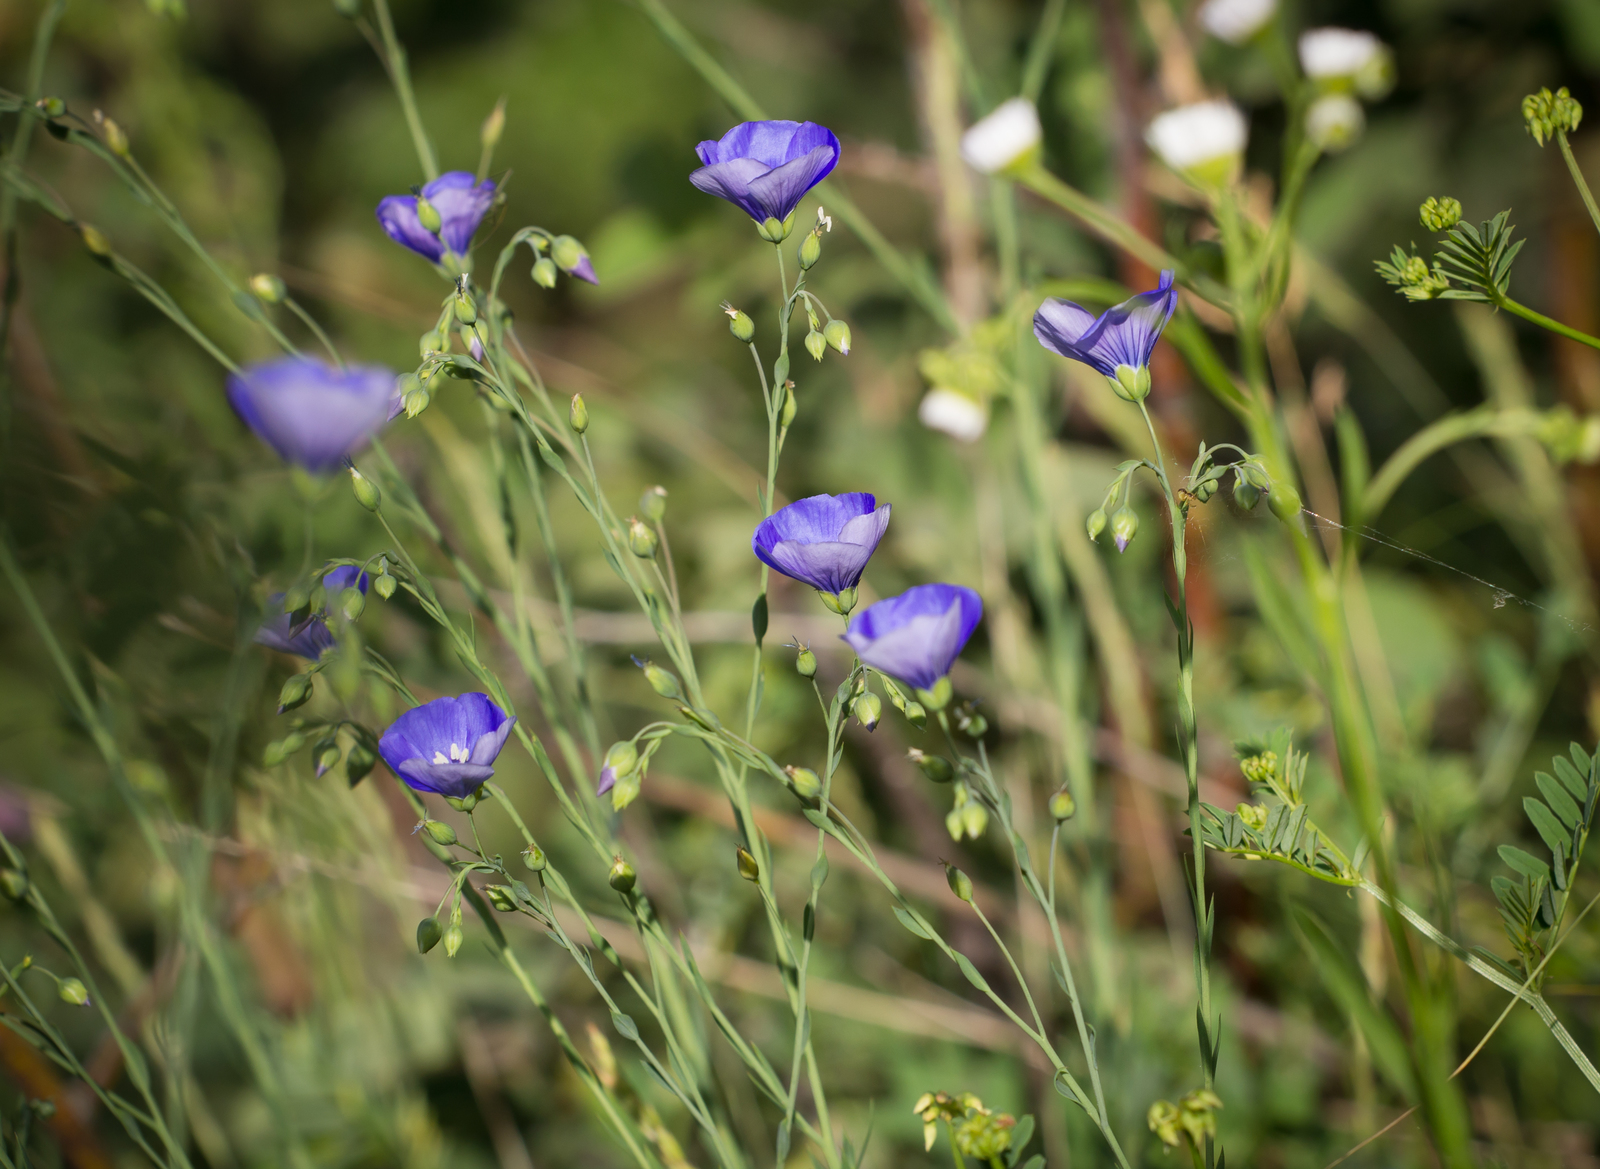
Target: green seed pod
column 296, row 692
column 73, row 991
column 578, row 415
column 327, row 755
column 416, row 401
column 816, row 344
column 441, row 832
column 1284, row 501
column 500, row 897
column 934, row 767
column 428, row 215
column 94, row 240
column 974, row 820
column 384, row 586
column 790, row 406
column 810, row 250
column 267, row 288
column 804, row 782
column 1096, row 523
column 50, row 107
column 622, row 878
column 642, row 539
column 280, row 750
column 653, row 504
column 805, row 663
column 960, row 884
column 1124, row 526
column 544, row 272
column 741, row 326
column 1245, row 492
column 916, row 714
column 837, row 334
column 533, row 859
column 748, row 868
column 976, row 727
column 366, row 491
column 663, row 682
column 116, row 137
column 452, row 940
column 868, row 710
column 14, row 883
column 1062, row 806
column 352, row 603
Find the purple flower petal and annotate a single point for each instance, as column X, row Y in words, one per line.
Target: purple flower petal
column 397, row 215
column 584, row 270
column 1123, row 335
column 310, row 639
column 447, row 745
column 309, row 412
column 461, row 202
column 608, row 780
column 824, row 541
column 766, row 168
column 918, row 635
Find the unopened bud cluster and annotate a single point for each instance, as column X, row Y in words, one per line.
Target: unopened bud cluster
column 1548, row 114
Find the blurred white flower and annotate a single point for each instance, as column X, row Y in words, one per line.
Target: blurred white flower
column 1334, row 122
column 954, row 413
column 1236, row 21
column 1008, row 135
column 1337, row 52
column 1204, row 139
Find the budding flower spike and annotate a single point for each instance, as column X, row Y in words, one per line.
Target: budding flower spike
column 824, row 541
column 1236, row 21
column 918, row 635
column 311, row 638
column 447, row 746
column 1004, row 141
column 458, row 203
column 312, row 414
column 1203, row 142
column 1118, row 343
column 766, row 168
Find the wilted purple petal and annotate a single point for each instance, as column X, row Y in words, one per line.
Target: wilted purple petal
column 918, row 635
column 308, row 411
column 447, row 745
column 766, row 168
column 1123, row 335
column 824, row 541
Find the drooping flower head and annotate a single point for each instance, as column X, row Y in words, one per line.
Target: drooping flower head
column 460, row 202
column 1203, row 141
column 448, row 745
column 918, row 635
column 766, row 168
column 824, row 541
column 1006, row 137
column 310, row 637
column 1118, row 342
column 309, row 412
column 1236, row 21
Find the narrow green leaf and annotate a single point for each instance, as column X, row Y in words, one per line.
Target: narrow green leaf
column 971, row 972
column 912, row 924
column 1525, row 863
column 1560, row 802
column 625, row 1026
column 1569, row 775
column 1557, row 838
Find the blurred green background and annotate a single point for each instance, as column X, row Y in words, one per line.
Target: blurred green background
column 152, row 524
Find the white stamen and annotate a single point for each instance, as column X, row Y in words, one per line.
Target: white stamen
column 438, row 757
column 824, row 221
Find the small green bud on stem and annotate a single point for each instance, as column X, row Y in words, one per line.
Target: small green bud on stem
column 960, row 884
column 739, row 323
column 837, row 334
column 934, row 767
column 816, row 344
column 441, row 832
column 1096, row 523
column 653, row 504
column 1062, row 806
column 452, row 939
column 427, row 215
column 96, row 242
column 267, row 288
column 1440, row 214
column 578, row 415
column 748, row 868
column 622, row 878
column 366, row 491
column 493, row 126
column 73, row 991
column 868, row 710
column 1284, row 501
column 810, row 250
column 14, row 883
column 544, row 272
column 804, row 782
column 790, row 406
column 533, row 859
column 805, row 663
column 642, row 539
column 296, row 692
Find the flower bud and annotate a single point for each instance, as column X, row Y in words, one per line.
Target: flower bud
column 493, row 126
column 116, row 136
column 427, row 215
column 739, row 323
column 810, row 251
column 544, row 272
column 366, row 491
column 974, row 820
column 916, row 715
column 1284, row 500
column 816, row 344
column 748, row 868
column 466, row 311
column 500, row 897
column 568, row 253
column 803, row 782
column 837, row 334
column 790, row 406
column 1440, row 214
column 296, row 691
column 960, row 884
column 73, row 991
column 326, row 754
column 805, row 663
column 976, row 727
column 934, row 767
column 622, row 757
column 14, row 883
column 384, row 585
column 642, row 539
column 267, row 288
column 280, row 749
column 441, row 832
column 1096, row 523
column 1246, row 491
column 533, row 859
column 1253, row 815
column 1124, row 524
column 653, row 504
column 358, row 763
column 50, row 107
column 452, row 940
column 578, row 415
column 1062, row 806
column 868, row 709
column 622, row 878
column 1546, row 113
column 97, row 243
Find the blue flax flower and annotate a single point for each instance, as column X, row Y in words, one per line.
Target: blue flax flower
column 309, row 412
column 824, row 541
column 766, row 168
column 1118, row 342
column 918, row 635
column 461, row 201
column 447, row 745
column 310, row 638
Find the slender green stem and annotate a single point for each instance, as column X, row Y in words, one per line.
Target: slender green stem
column 310, row 322
column 1545, row 322
column 400, row 76
column 1577, row 177
column 1435, row 437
